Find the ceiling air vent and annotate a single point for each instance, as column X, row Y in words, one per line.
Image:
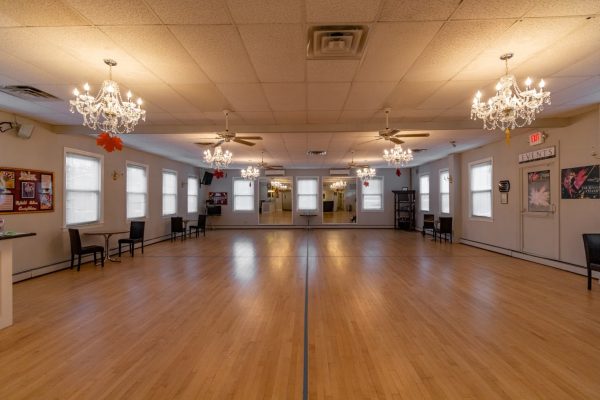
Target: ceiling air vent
column 336, row 42
column 27, row 93
column 316, row 153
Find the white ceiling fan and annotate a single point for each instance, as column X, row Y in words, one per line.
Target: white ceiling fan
column 264, row 165
column 226, row 136
column 352, row 164
column 394, row 135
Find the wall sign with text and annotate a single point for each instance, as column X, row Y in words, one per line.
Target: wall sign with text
column 26, row 191
column 536, row 155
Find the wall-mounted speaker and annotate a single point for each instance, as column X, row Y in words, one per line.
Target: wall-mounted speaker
column 24, row 131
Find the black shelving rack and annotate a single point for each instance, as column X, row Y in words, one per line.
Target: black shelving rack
column 404, row 209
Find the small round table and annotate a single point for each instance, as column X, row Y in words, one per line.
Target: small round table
column 107, row 235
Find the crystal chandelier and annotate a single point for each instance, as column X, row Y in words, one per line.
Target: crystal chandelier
column 397, row 156
column 338, row 186
column 219, row 159
column 250, row 173
column 510, row 108
column 279, row 185
column 365, row 173
column 107, row 111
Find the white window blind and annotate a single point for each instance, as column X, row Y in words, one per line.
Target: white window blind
column 445, row 192
column 137, row 191
column 480, row 176
column 424, row 192
column 243, row 195
column 308, row 192
column 169, row 193
column 192, row 194
column 372, row 195
column 83, row 181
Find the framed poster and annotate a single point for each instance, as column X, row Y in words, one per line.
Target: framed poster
column 580, row 182
column 26, row 191
column 217, row 198
column 538, row 191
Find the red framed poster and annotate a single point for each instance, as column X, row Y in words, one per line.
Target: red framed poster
column 26, row 191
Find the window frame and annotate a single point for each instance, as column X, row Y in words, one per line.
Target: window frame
column 100, row 158
column 317, row 194
column 147, row 209
column 381, row 195
column 162, row 190
column 428, row 194
column 471, row 164
column 233, row 181
column 197, row 195
column 444, row 171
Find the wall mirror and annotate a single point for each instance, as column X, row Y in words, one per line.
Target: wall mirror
column 339, row 200
column 275, row 201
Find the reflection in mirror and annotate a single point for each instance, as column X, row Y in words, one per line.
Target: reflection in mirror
column 339, row 200
column 275, row 201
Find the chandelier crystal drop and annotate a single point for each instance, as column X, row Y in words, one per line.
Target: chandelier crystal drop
column 338, row 186
column 511, row 107
column 365, row 173
column 108, row 112
column 397, row 156
column 250, row 173
column 218, row 159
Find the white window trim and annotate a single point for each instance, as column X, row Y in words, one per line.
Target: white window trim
column 319, row 195
column 100, row 221
column 254, row 185
column 187, row 195
column 469, row 165
column 440, row 191
column 362, row 197
column 162, row 193
column 147, row 167
column 428, row 193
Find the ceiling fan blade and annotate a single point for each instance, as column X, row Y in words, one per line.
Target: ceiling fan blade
column 274, row 167
column 396, row 140
column 220, row 142
column 205, row 143
column 392, row 132
column 241, row 141
column 413, row 135
column 250, row 137
column 369, row 141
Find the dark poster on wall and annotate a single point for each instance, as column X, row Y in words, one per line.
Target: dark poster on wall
column 217, row 198
column 580, row 182
column 25, row 191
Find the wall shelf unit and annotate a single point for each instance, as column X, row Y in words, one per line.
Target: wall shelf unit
column 404, row 209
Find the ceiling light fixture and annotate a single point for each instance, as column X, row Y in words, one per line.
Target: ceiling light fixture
column 510, row 108
column 397, row 156
column 218, row 159
column 250, row 173
column 107, row 111
column 279, row 185
column 338, row 186
column 365, row 174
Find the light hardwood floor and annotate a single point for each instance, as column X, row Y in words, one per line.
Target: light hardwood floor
column 391, row 315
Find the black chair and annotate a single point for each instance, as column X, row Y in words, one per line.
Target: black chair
column 200, row 227
column 177, row 227
column 136, row 235
column 445, row 228
column 76, row 248
column 428, row 223
column 591, row 242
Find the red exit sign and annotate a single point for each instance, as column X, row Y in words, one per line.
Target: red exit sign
column 536, row 138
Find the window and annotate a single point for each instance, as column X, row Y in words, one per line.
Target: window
column 372, row 195
column 308, row 193
column 243, row 195
column 424, row 192
column 169, row 192
column 192, row 196
column 137, row 191
column 83, row 187
column 480, row 181
column 445, row 191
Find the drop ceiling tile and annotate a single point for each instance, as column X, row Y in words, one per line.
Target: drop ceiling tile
column 323, row 117
column 245, row 96
column 290, row 117
column 219, row 51
column 160, row 119
column 327, row 96
column 41, row 13
column 453, row 93
column 588, row 66
column 357, row 116
column 424, row 114
column 492, row 9
column 166, row 98
column 334, row 11
column 115, row 12
column 265, row 11
column 286, row 96
column 393, row 48
column 277, row 52
column 411, row 94
column 570, row 95
column 196, row 118
column 259, row 117
column 205, row 97
column 185, row 12
column 550, row 8
column 418, row 10
column 369, row 96
column 590, row 99
column 218, row 118
column 15, row 70
column 331, row 70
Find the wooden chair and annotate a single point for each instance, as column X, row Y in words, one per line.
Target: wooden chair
column 591, row 242
column 177, row 227
column 445, row 228
column 76, row 248
column 428, row 223
column 201, row 226
column 136, row 235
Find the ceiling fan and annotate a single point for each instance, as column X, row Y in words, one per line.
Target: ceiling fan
column 352, row 164
column 226, row 136
column 393, row 135
column 264, row 165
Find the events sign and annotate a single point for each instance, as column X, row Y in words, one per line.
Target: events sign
column 535, row 155
column 25, row 191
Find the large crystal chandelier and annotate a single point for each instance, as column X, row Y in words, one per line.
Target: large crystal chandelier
column 338, row 185
column 397, row 155
column 107, row 111
column 250, row 173
column 218, row 159
column 365, row 173
column 511, row 107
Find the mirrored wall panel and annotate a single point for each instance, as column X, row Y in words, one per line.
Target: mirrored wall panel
column 339, row 200
column 275, row 201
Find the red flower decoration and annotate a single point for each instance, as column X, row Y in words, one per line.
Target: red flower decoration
column 366, row 183
column 218, row 174
column 398, row 173
column 109, row 143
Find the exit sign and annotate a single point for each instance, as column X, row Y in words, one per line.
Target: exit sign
column 536, row 138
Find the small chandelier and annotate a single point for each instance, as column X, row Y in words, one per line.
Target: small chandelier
column 510, row 108
column 250, row 173
column 107, row 111
column 397, row 156
column 338, row 186
column 279, row 185
column 365, row 173
column 219, row 159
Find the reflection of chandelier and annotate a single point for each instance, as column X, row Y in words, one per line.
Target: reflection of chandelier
column 397, row 156
column 338, row 185
column 107, row 111
column 219, row 159
column 510, row 108
column 250, row 173
column 279, row 185
column 365, row 173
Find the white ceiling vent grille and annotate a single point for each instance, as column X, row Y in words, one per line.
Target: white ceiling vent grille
column 27, row 93
column 336, row 42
